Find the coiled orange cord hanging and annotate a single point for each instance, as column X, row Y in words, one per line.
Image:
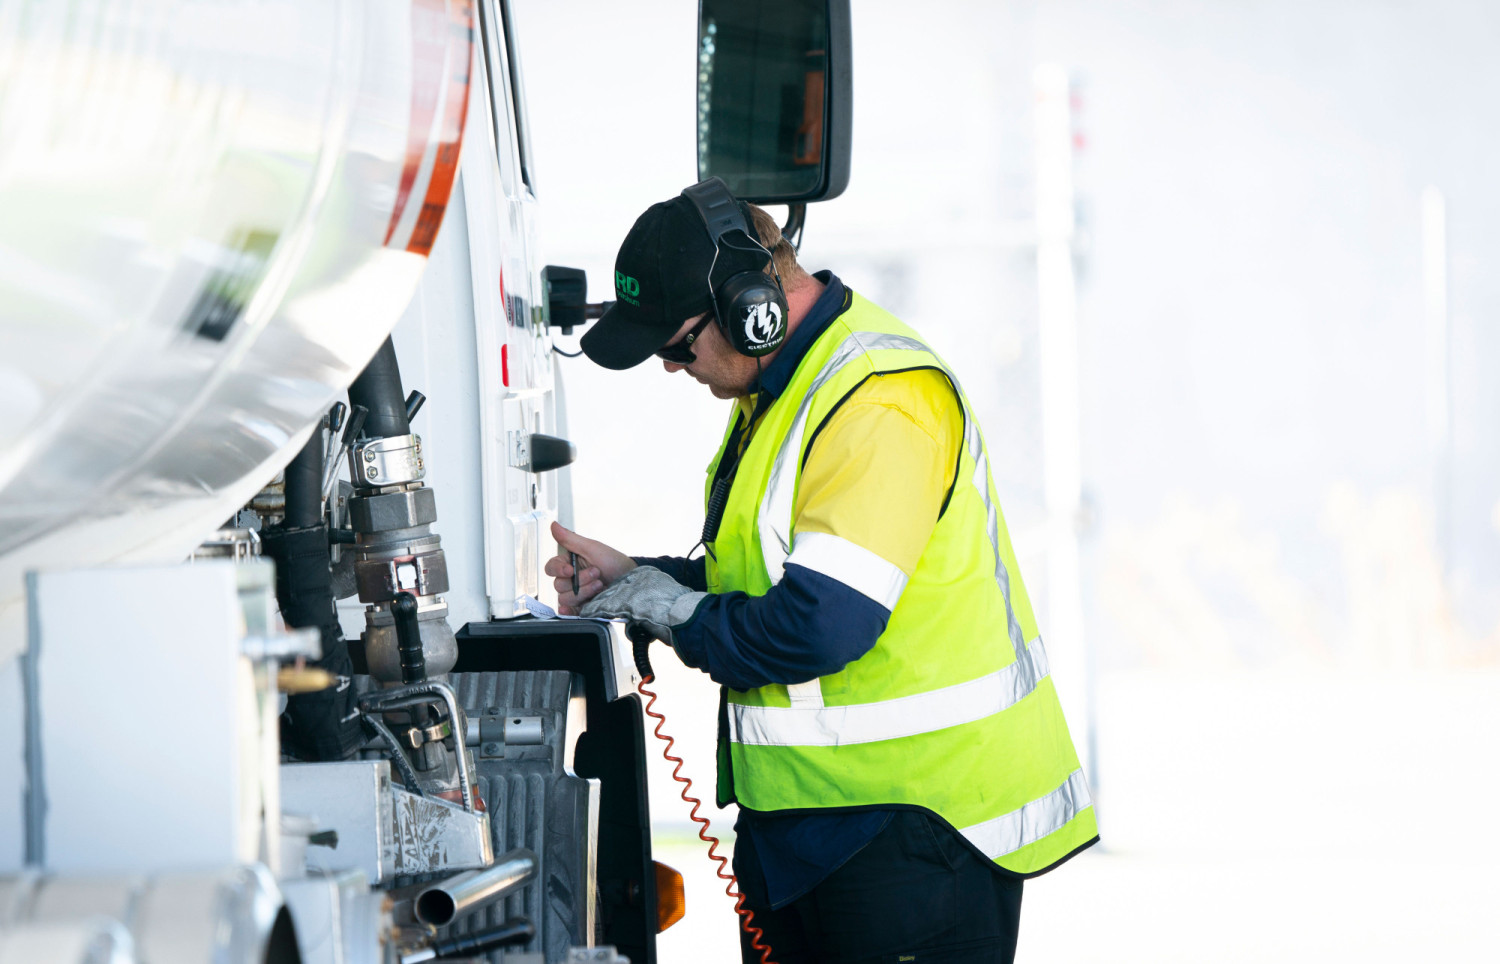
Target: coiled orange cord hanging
column 732, row 888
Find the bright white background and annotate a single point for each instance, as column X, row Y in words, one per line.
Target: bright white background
column 1290, row 567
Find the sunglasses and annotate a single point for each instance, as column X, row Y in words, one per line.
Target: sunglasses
column 680, row 353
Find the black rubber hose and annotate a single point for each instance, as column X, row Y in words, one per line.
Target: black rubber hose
column 515, row 930
column 378, row 388
column 304, row 485
column 409, row 638
column 414, row 402
column 398, row 755
column 317, row 726
column 640, row 643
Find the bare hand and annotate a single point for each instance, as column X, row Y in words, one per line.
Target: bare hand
column 598, row 566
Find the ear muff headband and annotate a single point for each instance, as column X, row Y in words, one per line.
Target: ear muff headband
column 749, row 306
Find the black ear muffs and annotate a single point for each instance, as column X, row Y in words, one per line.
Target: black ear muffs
column 751, row 310
column 749, row 306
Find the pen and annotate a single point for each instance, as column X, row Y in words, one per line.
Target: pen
column 573, row 561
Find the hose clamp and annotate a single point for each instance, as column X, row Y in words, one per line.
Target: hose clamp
column 395, row 460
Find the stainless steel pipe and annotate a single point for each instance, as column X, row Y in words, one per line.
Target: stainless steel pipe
column 382, row 701
column 441, row 903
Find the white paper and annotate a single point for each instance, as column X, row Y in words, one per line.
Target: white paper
column 541, row 610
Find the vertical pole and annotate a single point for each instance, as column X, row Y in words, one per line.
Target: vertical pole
column 1058, row 348
column 1439, row 375
column 35, row 799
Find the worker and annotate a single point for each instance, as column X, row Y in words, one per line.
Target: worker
column 887, row 724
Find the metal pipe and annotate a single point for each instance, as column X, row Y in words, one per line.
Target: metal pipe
column 334, row 422
column 269, row 500
column 439, row 904
column 508, row 730
column 406, row 695
column 378, row 388
column 352, row 427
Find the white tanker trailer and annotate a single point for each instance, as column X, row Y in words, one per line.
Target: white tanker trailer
column 274, row 334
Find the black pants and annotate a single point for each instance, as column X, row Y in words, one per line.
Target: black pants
column 915, row 895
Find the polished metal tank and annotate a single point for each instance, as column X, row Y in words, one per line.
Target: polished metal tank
column 214, row 211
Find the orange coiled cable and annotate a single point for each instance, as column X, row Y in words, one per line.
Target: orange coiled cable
column 747, row 916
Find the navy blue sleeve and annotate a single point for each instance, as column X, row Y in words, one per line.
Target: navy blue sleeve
column 808, row 625
column 692, row 573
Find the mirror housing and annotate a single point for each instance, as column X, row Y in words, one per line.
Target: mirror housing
column 567, row 297
column 775, row 98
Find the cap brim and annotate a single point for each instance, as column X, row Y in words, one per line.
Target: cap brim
column 620, row 340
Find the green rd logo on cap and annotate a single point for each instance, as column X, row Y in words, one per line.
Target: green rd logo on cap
column 627, row 288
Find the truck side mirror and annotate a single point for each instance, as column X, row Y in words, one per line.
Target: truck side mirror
column 774, row 98
column 568, row 304
column 567, row 297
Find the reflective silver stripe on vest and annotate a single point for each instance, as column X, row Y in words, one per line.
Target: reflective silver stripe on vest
column 904, row 716
column 851, row 564
column 775, row 520
column 992, row 520
column 1010, row 832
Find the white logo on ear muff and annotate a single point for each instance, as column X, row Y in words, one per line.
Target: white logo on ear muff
column 762, row 323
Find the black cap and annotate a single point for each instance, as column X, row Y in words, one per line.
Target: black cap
column 661, row 280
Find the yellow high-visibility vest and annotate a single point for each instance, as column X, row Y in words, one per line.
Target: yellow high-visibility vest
column 953, row 710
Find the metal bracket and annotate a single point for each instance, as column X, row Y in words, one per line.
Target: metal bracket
column 497, row 729
column 433, row 835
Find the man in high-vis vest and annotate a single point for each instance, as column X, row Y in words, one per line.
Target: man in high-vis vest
column 888, row 725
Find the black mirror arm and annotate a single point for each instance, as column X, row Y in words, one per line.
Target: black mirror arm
column 796, row 219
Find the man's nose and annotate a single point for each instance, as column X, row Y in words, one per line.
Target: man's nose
column 672, row 366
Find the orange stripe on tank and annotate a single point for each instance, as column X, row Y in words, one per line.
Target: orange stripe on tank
column 428, row 52
column 456, row 110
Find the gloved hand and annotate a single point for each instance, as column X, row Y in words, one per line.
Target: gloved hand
column 648, row 596
column 597, row 566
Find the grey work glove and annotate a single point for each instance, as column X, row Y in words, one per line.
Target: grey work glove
column 648, row 596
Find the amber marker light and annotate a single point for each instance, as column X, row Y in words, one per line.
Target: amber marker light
column 671, row 902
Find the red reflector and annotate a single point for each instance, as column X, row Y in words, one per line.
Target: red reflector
column 505, row 365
